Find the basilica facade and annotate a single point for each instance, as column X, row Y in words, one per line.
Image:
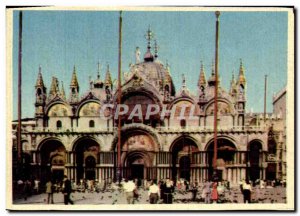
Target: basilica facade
column 69, row 136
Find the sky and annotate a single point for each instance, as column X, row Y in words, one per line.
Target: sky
column 58, row 40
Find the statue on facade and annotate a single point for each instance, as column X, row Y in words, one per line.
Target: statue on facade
column 137, row 55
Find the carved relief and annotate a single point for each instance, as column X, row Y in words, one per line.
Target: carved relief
column 139, row 142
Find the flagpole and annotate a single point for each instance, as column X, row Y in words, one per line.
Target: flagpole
column 216, row 95
column 19, row 141
column 265, row 98
column 119, row 169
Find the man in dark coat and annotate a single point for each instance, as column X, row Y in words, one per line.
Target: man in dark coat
column 168, row 190
column 67, row 189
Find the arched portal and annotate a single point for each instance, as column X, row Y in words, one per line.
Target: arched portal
column 254, row 149
column 138, row 154
column 86, row 155
column 52, row 159
column 182, row 150
column 136, row 165
column 225, row 155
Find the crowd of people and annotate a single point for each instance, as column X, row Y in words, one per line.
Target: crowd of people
column 157, row 191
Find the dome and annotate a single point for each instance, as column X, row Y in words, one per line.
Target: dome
column 151, row 71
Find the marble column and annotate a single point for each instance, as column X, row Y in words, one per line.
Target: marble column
column 229, row 175
column 34, row 157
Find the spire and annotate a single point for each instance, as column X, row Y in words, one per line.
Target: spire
column 241, row 79
column 137, row 55
column 202, row 79
column 212, row 79
column 212, row 68
column 98, row 71
column 232, row 79
column 232, row 85
column 39, row 81
column 168, row 77
column 74, row 81
column 183, row 81
column 62, row 92
column 184, row 90
column 54, row 89
column 40, row 88
column 149, row 36
column 108, row 80
column 155, row 49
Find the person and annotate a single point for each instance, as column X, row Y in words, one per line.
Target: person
column 194, row 191
column 221, row 191
column 67, row 190
column 27, row 189
column 168, row 190
column 153, row 192
column 206, row 192
column 129, row 188
column 214, row 192
column 247, row 191
column 186, row 184
column 162, row 186
column 36, row 186
column 262, row 184
column 241, row 184
column 49, row 191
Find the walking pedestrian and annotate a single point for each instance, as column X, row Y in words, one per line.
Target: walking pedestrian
column 168, row 190
column 194, row 191
column 36, row 187
column 247, row 191
column 214, row 192
column 49, row 191
column 67, row 190
column 129, row 188
column 206, row 193
column 27, row 189
column 153, row 192
column 162, row 186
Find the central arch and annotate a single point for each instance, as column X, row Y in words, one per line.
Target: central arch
column 138, row 150
column 136, row 164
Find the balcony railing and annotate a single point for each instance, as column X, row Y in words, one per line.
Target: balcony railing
column 160, row 129
column 211, row 128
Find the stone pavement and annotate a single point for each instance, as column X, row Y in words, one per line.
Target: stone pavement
column 268, row 195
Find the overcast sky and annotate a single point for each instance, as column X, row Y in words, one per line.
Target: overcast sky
column 58, row 40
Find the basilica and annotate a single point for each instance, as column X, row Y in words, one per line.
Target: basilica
column 68, row 136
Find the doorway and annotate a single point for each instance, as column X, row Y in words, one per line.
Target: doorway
column 185, row 170
column 90, row 165
column 57, row 175
column 137, row 171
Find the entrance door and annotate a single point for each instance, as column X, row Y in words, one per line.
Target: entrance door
column 137, row 171
column 185, row 170
column 58, row 175
column 90, row 164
